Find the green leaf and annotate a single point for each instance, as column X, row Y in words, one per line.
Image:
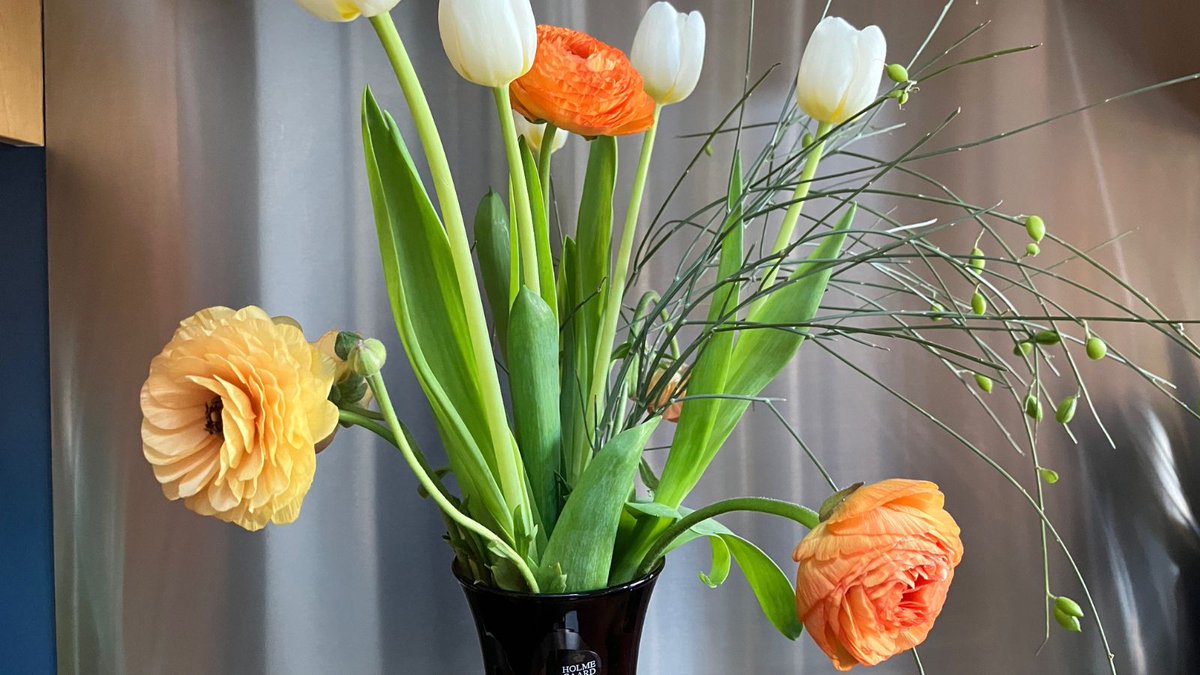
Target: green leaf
column 492, row 246
column 757, row 358
column 428, row 310
column 772, row 588
column 533, row 383
column 582, row 543
column 592, row 259
column 541, row 229
column 721, row 562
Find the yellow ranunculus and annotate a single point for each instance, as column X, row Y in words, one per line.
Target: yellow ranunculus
column 233, row 408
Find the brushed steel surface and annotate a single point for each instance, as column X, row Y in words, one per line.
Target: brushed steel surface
column 206, row 152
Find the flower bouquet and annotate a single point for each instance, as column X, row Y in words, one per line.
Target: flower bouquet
column 557, row 515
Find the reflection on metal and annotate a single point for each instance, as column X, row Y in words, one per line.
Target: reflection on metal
column 206, row 151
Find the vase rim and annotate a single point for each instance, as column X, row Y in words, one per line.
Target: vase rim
column 474, row 587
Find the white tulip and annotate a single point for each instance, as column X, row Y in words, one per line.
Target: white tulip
column 534, row 133
column 668, row 52
column 346, row 10
column 489, row 42
column 840, row 70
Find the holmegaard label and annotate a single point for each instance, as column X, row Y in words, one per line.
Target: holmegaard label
column 575, row 662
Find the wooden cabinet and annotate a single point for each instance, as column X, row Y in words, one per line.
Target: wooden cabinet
column 21, row 118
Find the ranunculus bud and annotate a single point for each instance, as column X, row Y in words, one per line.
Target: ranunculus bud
column 840, row 70
column 489, row 42
column 348, row 386
column 668, row 51
column 873, row 577
column 367, row 357
column 346, row 10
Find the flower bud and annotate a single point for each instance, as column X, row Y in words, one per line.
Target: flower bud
column 984, row 382
column 1032, row 249
column 897, row 73
column 1096, row 349
column 534, row 134
column 1023, row 349
column 1048, row 476
column 1036, row 228
column 1033, row 407
column 1066, row 410
column 489, row 42
column 978, row 303
column 1047, row 337
column 668, row 52
column 840, row 70
column 902, row 99
column 346, row 10
column 367, row 357
column 976, row 261
column 1068, row 606
column 1067, row 621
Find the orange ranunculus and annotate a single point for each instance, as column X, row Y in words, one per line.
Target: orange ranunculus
column 233, row 408
column 874, row 575
column 582, row 85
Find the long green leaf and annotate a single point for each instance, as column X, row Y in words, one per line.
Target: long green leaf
column 541, row 229
column 408, row 228
column 533, row 382
column 492, row 245
column 582, row 544
column 593, row 244
column 772, row 588
column 757, row 358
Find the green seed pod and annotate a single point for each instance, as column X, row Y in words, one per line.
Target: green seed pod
column 984, row 382
column 1047, row 337
column 1066, row 410
column 978, row 303
column 1068, row 606
column 936, row 308
column 1036, row 228
column 1048, row 476
column 1023, row 348
column 708, row 149
column 1033, row 407
column 1096, row 349
column 897, row 73
column 895, row 93
column 1032, row 249
column 903, row 98
column 1067, row 621
column 977, row 262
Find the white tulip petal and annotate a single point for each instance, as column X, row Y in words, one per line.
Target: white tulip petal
column 489, row 42
column 346, row 10
column 840, row 70
column 668, row 52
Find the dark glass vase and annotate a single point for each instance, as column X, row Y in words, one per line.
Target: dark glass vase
column 595, row 633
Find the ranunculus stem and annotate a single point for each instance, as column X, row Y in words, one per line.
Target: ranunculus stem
column 516, row 173
column 792, row 216
column 510, row 478
column 435, row 492
column 544, row 163
column 616, row 288
column 805, row 516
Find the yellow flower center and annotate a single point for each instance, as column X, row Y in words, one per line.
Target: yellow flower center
column 212, row 416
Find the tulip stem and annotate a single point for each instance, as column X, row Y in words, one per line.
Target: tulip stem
column 799, row 196
column 504, row 452
column 803, row 515
column 495, row 542
column 616, row 283
column 520, row 189
column 547, row 149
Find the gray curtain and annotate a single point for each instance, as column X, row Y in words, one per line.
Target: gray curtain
column 206, row 152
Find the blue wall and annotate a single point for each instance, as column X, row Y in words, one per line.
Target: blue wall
column 26, row 545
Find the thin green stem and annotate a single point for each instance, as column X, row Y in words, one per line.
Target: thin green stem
column 511, row 481
column 463, row 520
column 516, row 173
column 805, row 516
column 544, row 154
column 616, row 288
column 359, row 420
